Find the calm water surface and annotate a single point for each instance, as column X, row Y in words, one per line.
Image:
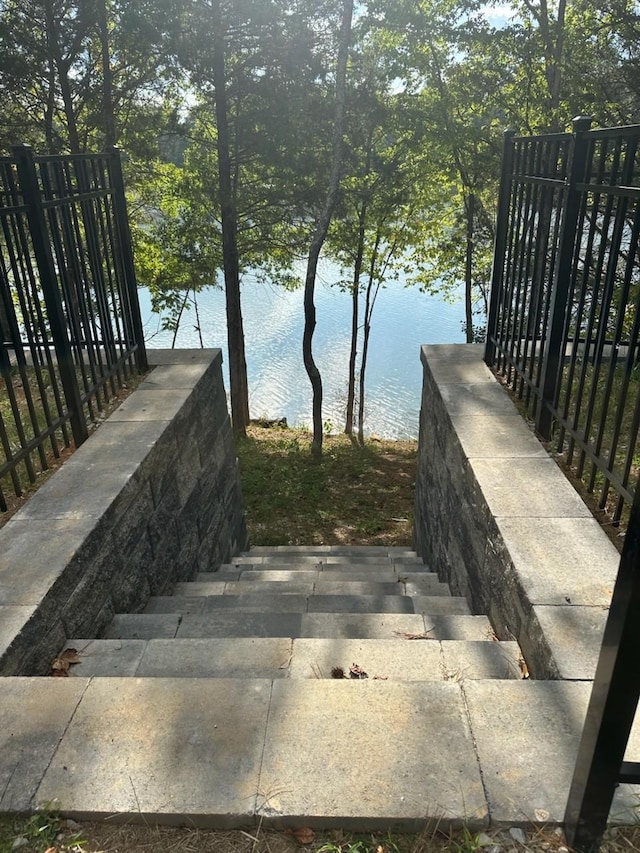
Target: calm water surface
column 403, row 320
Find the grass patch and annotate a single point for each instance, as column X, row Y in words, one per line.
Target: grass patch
column 353, row 496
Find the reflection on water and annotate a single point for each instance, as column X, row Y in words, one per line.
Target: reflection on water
column 403, row 319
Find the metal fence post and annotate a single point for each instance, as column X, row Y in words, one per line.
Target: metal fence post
column 500, row 245
column 554, row 350
column 55, row 312
column 612, row 707
column 132, row 318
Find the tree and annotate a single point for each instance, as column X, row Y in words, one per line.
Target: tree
column 322, row 226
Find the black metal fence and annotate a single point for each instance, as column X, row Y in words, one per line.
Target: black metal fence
column 70, row 327
column 564, row 317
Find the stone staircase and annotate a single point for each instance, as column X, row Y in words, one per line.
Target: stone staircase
column 302, row 613
column 314, row 687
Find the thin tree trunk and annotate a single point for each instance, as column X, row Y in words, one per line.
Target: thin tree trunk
column 322, row 226
column 468, row 269
column 110, row 134
column 62, row 68
column 368, row 310
column 237, row 363
column 355, row 296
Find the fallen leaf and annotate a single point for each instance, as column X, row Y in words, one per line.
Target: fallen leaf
column 71, row 655
column 59, row 673
column 60, row 665
column 407, row 636
column 356, row 671
column 304, row 835
column 380, row 677
column 523, row 668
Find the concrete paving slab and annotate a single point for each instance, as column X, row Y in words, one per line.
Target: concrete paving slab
column 395, row 660
column 106, row 658
column 192, row 588
column 561, row 560
column 280, row 575
column 375, row 626
column 371, row 756
column 383, row 560
column 534, row 488
column 303, row 587
column 13, row 619
column 227, row 569
column 207, row 577
column 163, row 749
column 452, row 372
column 360, row 604
column 574, row 635
column 435, row 605
column 232, row 624
column 291, row 603
column 238, row 657
column 143, row 626
column 346, row 587
column 183, row 356
column 426, row 585
column 527, row 735
column 443, row 627
column 335, row 573
column 497, row 437
column 153, row 405
column 480, row 659
column 34, row 715
column 273, row 561
column 462, row 400
column 34, row 556
column 174, row 376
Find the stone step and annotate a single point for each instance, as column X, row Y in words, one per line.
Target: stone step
column 313, row 585
column 327, row 560
column 363, row 755
column 332, row 550
column 234, row 623
column 397, row 659
column 348, row 568
column 301, row 603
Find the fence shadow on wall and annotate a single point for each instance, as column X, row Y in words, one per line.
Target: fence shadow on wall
column 70, row 327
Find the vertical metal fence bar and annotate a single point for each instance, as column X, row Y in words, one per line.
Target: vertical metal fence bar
column 42, row 249
column 552, row 368
column 612, row 707
column 132, row 314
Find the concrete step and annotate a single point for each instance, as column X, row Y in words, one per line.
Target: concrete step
column 349, row 568
column 362, row 755
column 234, row 623
column 312, row 586
column 326, row 560
column 397, row 659
column 394, row 551
column 388, row 575
column 301, row 603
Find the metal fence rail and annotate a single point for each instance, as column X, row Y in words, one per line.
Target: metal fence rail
column 564, row 319
column 70, row 327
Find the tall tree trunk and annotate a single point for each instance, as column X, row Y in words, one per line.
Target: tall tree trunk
column 62, row 67
column 368, row 309
column 355, row 296
column 468, row 269
column 322, row 226
column 110, row 135
column 237, row 363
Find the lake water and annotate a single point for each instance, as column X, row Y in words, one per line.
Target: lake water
column 403, row 320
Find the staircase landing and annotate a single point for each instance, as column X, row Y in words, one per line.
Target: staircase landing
column 216, row 707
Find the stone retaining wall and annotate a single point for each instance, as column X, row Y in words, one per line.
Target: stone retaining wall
column 497, row 519
column 151, row 498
